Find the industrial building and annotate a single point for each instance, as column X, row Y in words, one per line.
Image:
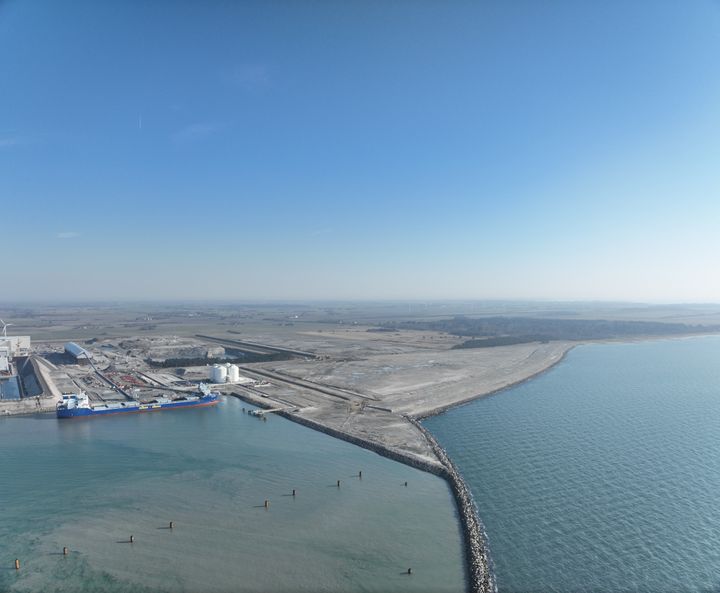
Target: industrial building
column 78, row 353
column 16, row 345
column 12, row 347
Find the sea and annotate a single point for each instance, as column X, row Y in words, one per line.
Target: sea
column 602, row 475
column 89, row 484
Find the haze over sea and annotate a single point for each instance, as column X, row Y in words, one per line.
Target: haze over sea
column 603, row 474
column 89, row 484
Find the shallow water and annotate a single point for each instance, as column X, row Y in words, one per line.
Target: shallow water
column 89, row 484
column 602, row 475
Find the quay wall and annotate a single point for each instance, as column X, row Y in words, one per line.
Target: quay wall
column 27, row 405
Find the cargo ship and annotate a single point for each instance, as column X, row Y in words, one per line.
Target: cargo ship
column 78, row 404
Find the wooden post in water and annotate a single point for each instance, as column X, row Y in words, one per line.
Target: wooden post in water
column 409, row 571
column 360, row 474
column 267, row 504
column 132, row 539
column 17, row 564
column 293, row 491
column 171, row 525
column 338, row 483
column 65, row 551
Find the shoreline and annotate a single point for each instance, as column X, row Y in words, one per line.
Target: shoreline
column 636, row 340
column 444, row 408
column 478, row 565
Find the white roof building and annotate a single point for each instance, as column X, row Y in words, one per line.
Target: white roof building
column 77, row 352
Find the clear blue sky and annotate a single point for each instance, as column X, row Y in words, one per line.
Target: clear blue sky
column 352, row 150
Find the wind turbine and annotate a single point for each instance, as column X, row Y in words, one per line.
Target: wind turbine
column 5, row 326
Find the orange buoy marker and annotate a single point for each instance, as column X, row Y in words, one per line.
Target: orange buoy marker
column 132, row 539
column 171, row 525
column 267, row 504
column 17, row 564
column 65, row 551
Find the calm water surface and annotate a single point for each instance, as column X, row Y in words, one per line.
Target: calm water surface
column 602, row 475
column 89, row 483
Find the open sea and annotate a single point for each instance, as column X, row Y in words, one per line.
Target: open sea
column 89, row 484
column 603, row 474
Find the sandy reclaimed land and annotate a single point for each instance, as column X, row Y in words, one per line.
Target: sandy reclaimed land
column 423, row 382
column 368, row 397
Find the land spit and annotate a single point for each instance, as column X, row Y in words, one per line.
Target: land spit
column 386, row 420
column 372, row 397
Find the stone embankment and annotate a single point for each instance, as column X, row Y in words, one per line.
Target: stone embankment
column 479, row 566
column 477, row 552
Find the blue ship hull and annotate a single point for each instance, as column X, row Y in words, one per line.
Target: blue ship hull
column 135, row 407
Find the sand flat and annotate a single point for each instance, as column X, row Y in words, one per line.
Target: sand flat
column 369, row 395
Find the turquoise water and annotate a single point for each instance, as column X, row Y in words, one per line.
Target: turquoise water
column 602, row 475
column 89, row 484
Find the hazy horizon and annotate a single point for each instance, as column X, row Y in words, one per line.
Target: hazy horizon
column 289, row 152
column 413, row 302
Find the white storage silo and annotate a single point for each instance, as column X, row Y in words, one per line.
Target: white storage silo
column 233, row 374
column 219, row 374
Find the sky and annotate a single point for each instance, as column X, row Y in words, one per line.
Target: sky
column 289, row 150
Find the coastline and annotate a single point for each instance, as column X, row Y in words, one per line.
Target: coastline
column 481, row 577
column 478, row 564
column 395, row 432
column 571, row 346
column 462, row 402
column 477, row 558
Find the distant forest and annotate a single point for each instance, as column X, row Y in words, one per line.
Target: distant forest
column 503, row 331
